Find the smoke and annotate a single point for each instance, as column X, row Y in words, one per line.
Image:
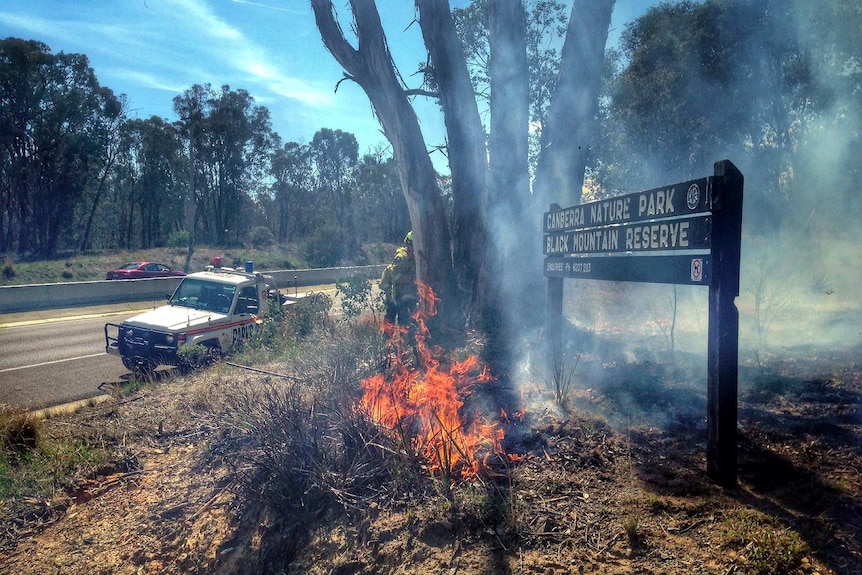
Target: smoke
column 801, row 270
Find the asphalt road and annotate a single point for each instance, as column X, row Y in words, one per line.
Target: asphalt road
column 48, row 358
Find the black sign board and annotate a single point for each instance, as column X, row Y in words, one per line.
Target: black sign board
column 691, row 269
column 683, row 199
column 685, row 233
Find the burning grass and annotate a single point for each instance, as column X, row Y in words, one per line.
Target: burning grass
column 420, row 400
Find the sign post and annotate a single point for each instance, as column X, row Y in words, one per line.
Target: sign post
column 686, row 233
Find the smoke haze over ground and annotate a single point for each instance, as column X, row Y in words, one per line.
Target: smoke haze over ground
column 801, row 269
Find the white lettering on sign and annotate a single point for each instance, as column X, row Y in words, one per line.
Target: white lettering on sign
column 568, row 266
column 565, row 219
column 610, row 211
column 604, row 240
column 557, row 244
column 657, row 236
column 657, row 203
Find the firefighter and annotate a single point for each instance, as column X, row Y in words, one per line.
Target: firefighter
column 398, row 284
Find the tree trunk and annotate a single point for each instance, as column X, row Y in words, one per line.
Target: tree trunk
column 466, row 147
column 503, row 283
column 571, row 116
column 497, row 230
column 371, row 67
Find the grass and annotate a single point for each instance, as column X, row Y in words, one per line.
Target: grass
column 33, row 464
column 92, row 266
column 761, row 544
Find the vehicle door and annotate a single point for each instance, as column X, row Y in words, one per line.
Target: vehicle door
column 152, row 270
column 246, row 313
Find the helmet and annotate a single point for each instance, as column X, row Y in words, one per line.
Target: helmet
column 408, row 239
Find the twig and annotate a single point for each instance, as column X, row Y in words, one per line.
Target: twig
column 212, row 499
column 609, row 543
column 285, row 376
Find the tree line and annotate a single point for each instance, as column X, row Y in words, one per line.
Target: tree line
column 773, row 85
column 77, row 173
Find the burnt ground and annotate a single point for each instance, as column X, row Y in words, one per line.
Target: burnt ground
column 615, row 483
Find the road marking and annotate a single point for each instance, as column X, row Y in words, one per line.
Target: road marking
column 73, row 317
column 51, row 362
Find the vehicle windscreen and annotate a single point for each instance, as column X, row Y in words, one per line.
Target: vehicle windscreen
column 204, row 295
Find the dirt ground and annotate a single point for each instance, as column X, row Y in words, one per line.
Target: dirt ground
column 615, row 484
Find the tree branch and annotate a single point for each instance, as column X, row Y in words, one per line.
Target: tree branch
column 333, row 36
column 421, row 92
column 346, row 77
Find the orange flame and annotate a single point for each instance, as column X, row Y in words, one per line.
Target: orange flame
column 422, row 402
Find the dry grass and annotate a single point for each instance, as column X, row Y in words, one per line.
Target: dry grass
column 273, row 469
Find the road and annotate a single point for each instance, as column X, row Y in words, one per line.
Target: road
column 53, row 357
column 58, row 358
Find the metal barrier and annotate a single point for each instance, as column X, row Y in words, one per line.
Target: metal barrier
column 73, row 294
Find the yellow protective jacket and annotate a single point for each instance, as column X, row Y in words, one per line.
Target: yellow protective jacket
column 398, row 282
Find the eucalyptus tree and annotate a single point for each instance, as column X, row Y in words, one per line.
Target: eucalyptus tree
column 228, row 141
column 108, row 135
column 479, row 258
column 335, row 154
column 53, row 118
column 379, row 202
column 156, row 172
column 190, row 107
column 544, row 30
column 699, row 82
column 292, row 191
column 237, row 145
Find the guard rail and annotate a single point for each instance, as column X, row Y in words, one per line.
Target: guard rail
column 37, row 297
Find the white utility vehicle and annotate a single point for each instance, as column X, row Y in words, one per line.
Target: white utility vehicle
column 215, row 309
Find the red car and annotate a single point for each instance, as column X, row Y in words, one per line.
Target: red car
column 139, row 270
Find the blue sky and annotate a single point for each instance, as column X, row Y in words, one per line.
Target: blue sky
column 153, row 50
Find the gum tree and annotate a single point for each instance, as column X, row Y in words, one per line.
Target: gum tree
column 488, row 262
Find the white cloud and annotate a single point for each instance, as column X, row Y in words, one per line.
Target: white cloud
column 33, row 25
column 227, row 45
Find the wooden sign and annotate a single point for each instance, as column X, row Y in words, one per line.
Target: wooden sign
column 686, row 233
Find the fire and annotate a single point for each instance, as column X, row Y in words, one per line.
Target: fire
column 422, row 402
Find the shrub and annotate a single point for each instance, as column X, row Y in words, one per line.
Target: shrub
column 21, row 432
column 306, row 447
column 261, row 236
column 194, row 356
column 380, row 253
column 324, row 248
column 356, row 297
column 8, row 269
column 178, row 239
column 307, row 314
